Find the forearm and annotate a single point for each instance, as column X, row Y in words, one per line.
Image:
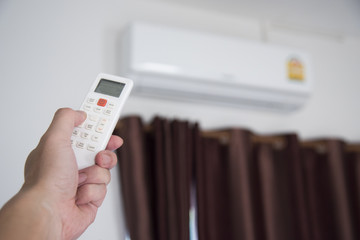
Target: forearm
column 28, row 216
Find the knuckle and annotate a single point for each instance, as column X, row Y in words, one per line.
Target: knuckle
column 102, row 190
column 113, row 157
column 104, row 177
column 108, row 178
column 101, row 175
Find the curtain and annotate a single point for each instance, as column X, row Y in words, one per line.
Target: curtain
column 247, row 186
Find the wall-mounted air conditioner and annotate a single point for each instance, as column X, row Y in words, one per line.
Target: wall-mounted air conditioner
column 192, row 66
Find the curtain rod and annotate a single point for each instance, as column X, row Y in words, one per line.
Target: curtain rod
column 278, row 142
column 224, row 137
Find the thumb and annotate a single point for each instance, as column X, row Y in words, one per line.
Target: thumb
column 64, row 121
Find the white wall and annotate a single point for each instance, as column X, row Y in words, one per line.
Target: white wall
column 50, row 52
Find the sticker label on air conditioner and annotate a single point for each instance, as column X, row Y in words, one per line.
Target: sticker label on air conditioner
column 295, row 69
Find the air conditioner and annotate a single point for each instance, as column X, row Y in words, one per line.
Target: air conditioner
column 188, row 65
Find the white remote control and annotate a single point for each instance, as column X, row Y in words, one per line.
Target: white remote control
column 103, row 105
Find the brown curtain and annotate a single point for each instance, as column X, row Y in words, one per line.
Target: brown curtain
column 248, row 186
column 156, row 174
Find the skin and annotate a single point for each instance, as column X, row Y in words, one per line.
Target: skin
column 56, row 200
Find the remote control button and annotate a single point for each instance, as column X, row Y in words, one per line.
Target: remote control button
column 85, row 135
column 72, row 141
column 108, row 112
column 102, row 102
column 100, row 128
column 101, row 124
column 91, row 148
column 75, row 132
column 91, row 100
column 93, row 118
column 95, row 138
column 80, row 144
column 103, row 121
column 89, row 126
column 111, row 105
column 97, row 109
column 87, row 107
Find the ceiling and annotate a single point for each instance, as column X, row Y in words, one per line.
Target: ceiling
column 326, row 16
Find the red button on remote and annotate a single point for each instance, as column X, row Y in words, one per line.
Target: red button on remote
column 102, row 102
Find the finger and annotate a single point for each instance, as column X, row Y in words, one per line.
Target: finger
column 91, row 193
column 64, row 121
column 106, row 159
column 114, row 143
column 94, row 175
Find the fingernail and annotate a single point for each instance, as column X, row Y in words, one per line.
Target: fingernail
column 84, row 115
column 106, row 160
column 82, row 177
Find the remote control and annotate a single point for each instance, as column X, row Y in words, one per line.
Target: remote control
column 103, row 105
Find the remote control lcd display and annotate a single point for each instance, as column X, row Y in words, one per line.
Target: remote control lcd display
column 110, row 88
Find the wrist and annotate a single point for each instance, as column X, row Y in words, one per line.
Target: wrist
column 28, row 215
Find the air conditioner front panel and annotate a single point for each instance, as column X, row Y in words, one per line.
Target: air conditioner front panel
column 167, row 61
column 210, row 57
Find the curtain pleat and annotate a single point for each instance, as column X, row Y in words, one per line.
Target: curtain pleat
column 353, row 172
column 170, row 178
column 156, row 174
column 240, row 185
column 160, row 180
column 336, row 158
column 296, row 188
column 320, row 195
column 133, row 160
column 214, row 221
column 246, row 188
column 270, row 190
column 313, row 175
column 181, row 170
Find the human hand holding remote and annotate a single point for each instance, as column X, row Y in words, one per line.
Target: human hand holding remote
column 57, row 201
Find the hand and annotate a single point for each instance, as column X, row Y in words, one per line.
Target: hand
column 53, row 183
